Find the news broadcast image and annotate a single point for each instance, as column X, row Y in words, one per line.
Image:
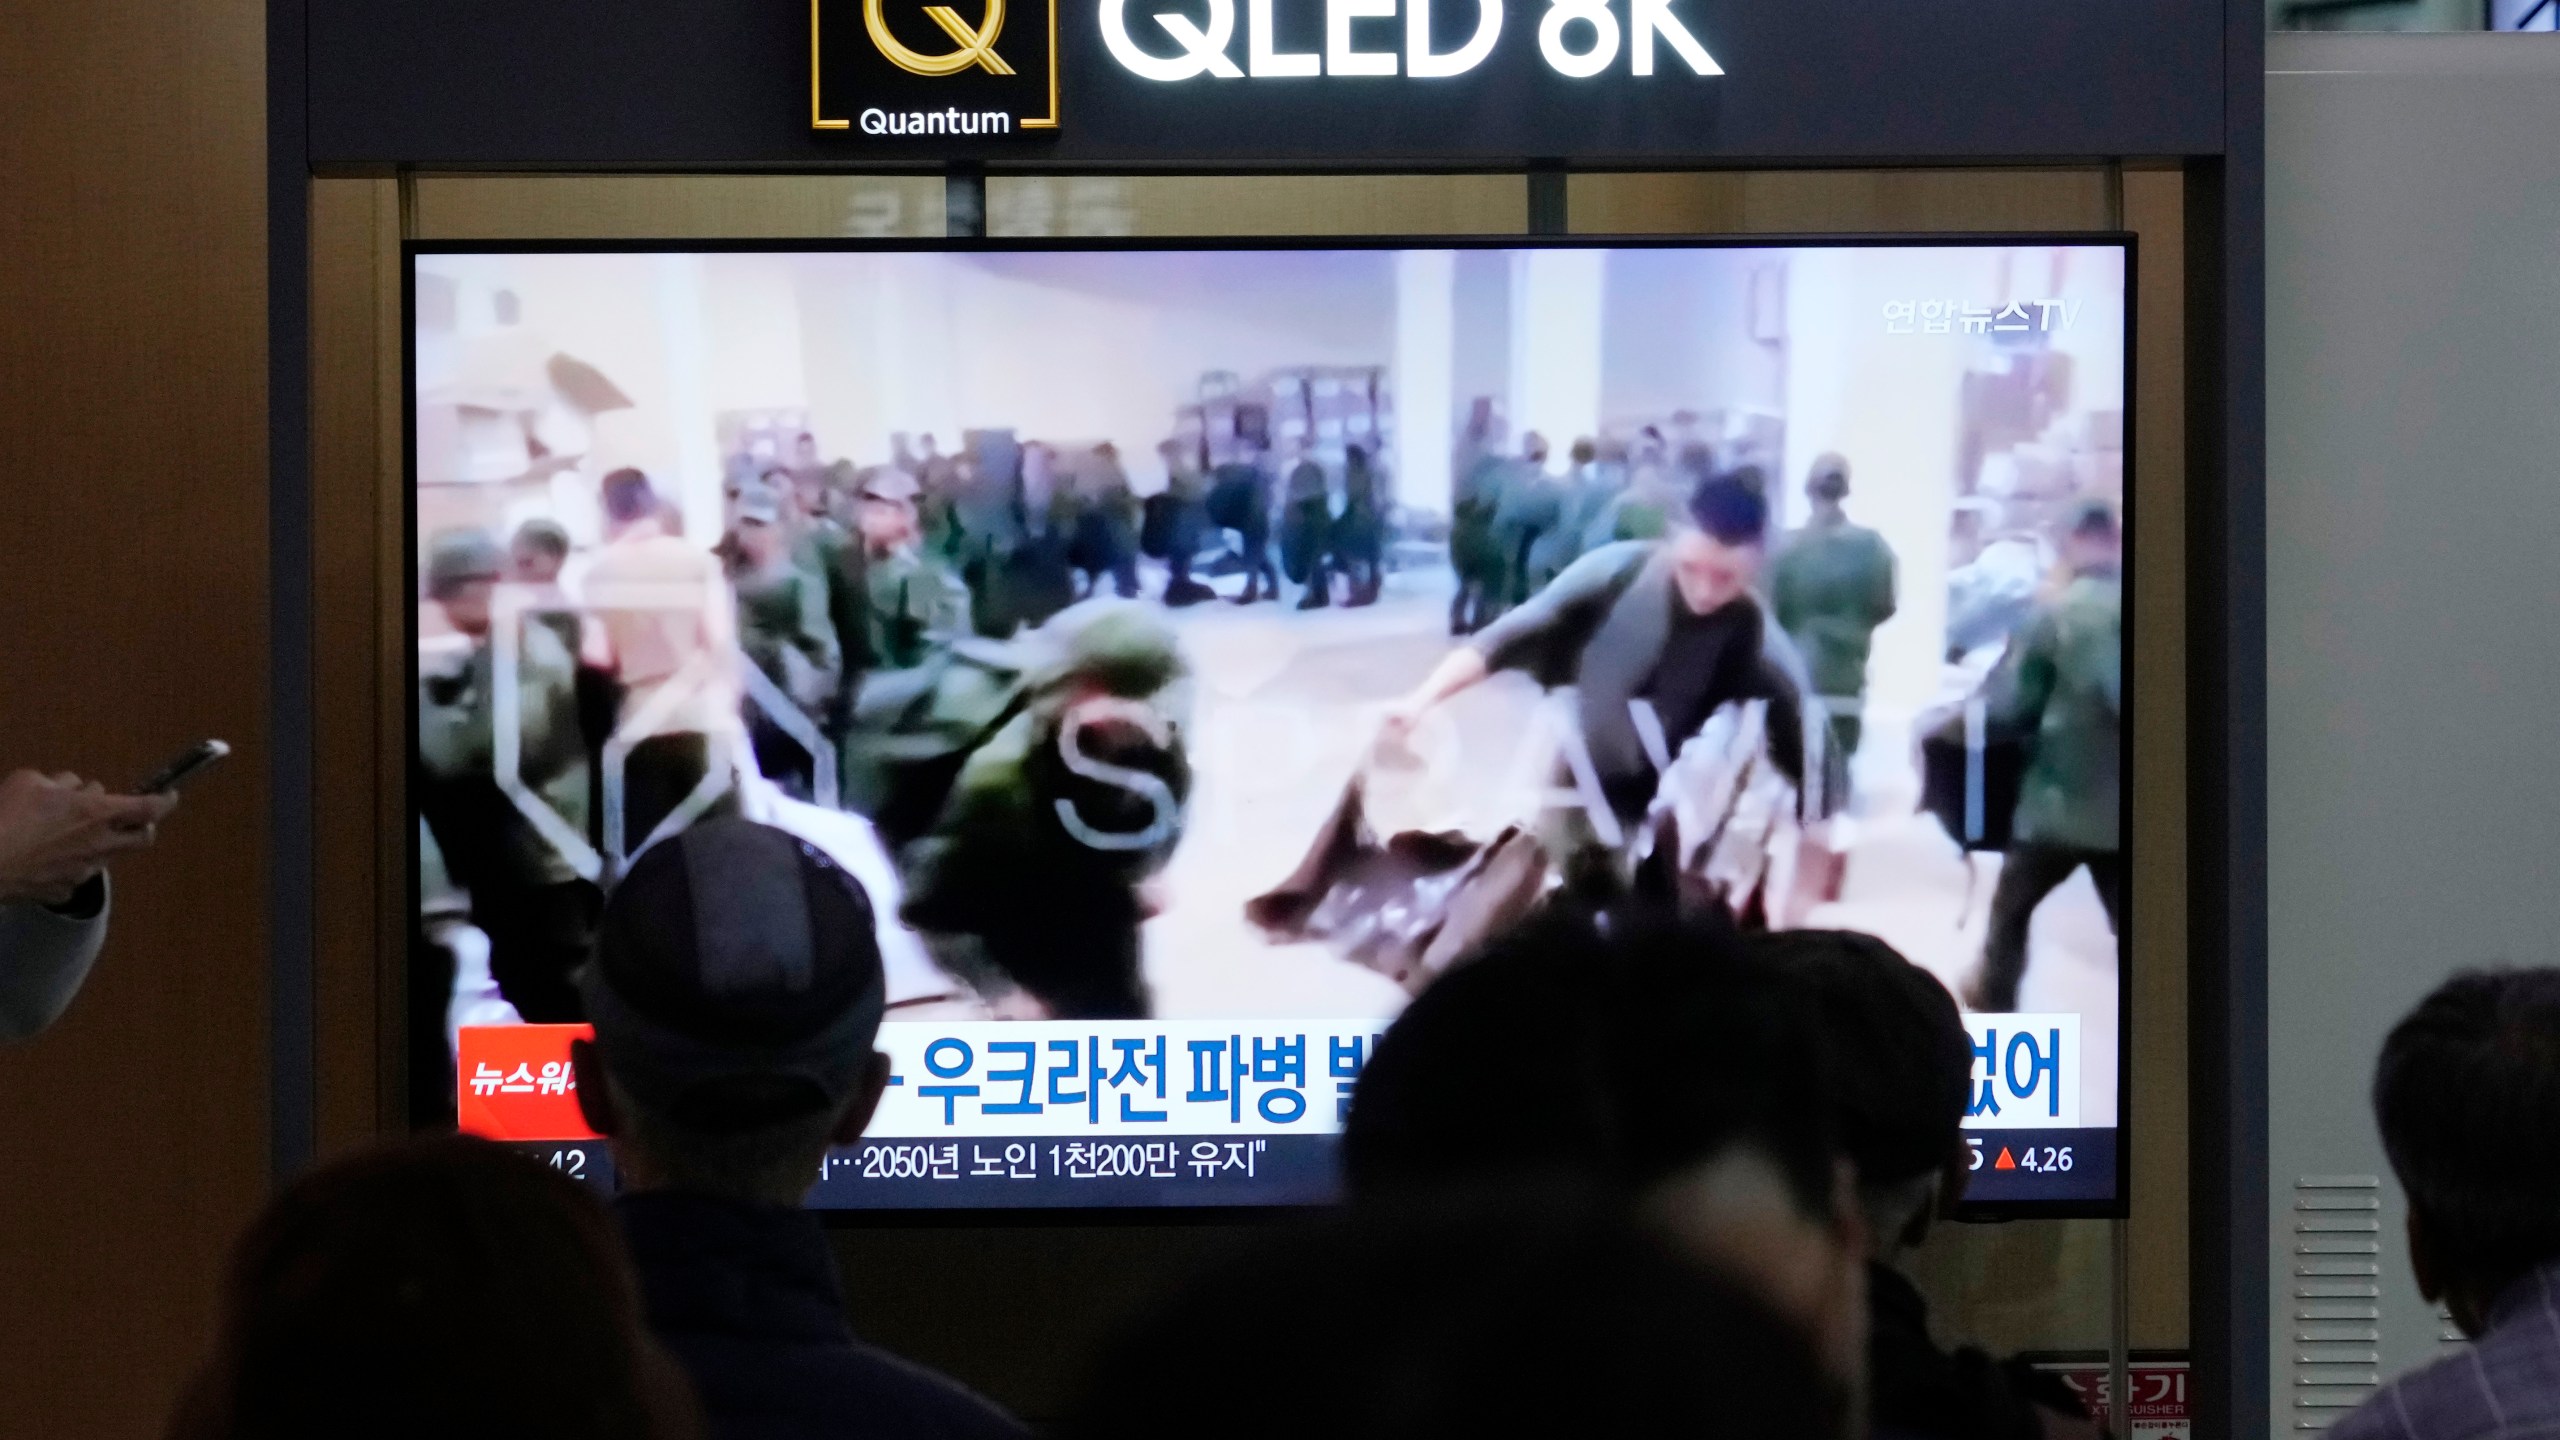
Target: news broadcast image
column 1198, row 652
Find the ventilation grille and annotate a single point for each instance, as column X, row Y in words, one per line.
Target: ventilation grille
column 2337, row 1295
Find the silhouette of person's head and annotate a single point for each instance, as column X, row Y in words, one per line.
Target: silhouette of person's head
column 1514, row 1314
column 1901, row 1080
column 1654, row 1057
column 736, row 991
column 438, row 1288
column 2467, row 1095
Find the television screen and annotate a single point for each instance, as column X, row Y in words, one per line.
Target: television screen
column 1197, row 650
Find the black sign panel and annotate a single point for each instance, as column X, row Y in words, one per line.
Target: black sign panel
column 932, row 74
column 571, row 83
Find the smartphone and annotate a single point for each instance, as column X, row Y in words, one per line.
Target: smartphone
column 182, row 767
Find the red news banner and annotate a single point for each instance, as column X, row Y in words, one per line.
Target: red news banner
column 513, row 1082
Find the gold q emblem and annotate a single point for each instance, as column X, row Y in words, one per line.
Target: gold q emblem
column 977, row 47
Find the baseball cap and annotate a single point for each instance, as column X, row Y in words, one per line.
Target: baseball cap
column 736, row 978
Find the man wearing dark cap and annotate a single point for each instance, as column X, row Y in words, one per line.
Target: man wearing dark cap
column 526, row 896
column 2062, row 684
column 736, row 993
column 1669, row 625
column 1832, row 585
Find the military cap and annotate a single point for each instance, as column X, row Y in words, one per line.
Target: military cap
column 457, row 557
column 1829, row 479
column 759, row 502
column 889, row 483
column 2091, row 517
column 1125, row 648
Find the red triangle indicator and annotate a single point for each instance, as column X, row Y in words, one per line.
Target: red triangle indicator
column 2004, row 1162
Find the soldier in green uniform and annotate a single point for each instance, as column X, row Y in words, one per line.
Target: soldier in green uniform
column 1642, row 510
column 912, row 604
column 1475, row 495
column 2063, row 684
column 1580, row 496
column 526, row 896
column 1031, row 789
column 826, row 548
column 1359, row 540
column 1306, row 520
column 1104, row 540
column 1832, row 585
column 1530, row 503
column 784, row 629
column 1181, row 520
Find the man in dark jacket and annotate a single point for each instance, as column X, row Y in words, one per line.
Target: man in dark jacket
column 1652, row 636
column 736, row 992
column 1901, row 1080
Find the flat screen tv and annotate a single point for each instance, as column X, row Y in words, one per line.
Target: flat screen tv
column 1198, row 648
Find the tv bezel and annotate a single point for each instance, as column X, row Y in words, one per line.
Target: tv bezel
column 2114, row 1207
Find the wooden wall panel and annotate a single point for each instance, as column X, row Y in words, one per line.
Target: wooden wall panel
column 1815, row 202
column 359, row 631
column 133, row 620
column 2155, row 210
column 582, row 207
column 1258, row 205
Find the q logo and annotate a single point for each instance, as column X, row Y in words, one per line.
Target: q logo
column 1204, row 52
column 977, row 47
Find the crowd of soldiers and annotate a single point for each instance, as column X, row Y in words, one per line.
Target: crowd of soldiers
column 916, row 653
column 1515, row 524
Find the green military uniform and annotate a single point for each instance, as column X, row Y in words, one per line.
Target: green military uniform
column 1358, row 538
column 1643, row 510
column 2066, row 687
column 526, row 896
column 1580, row 497
column 1531, row 504
column 2062, row 685
column 1177, row 523
column 1306, row 517
column 834, row 556
column 457, row 743
column 784, row 628
column 1474, row 552
column 1022, row 834
column 1832, row 585
column 912, row 605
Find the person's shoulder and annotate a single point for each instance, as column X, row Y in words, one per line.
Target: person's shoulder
column 1616, row 560
column 753, row 1389
column 925, row 1405
column 2484, row 1390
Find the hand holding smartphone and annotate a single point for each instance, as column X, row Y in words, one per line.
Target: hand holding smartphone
column 182, row 767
